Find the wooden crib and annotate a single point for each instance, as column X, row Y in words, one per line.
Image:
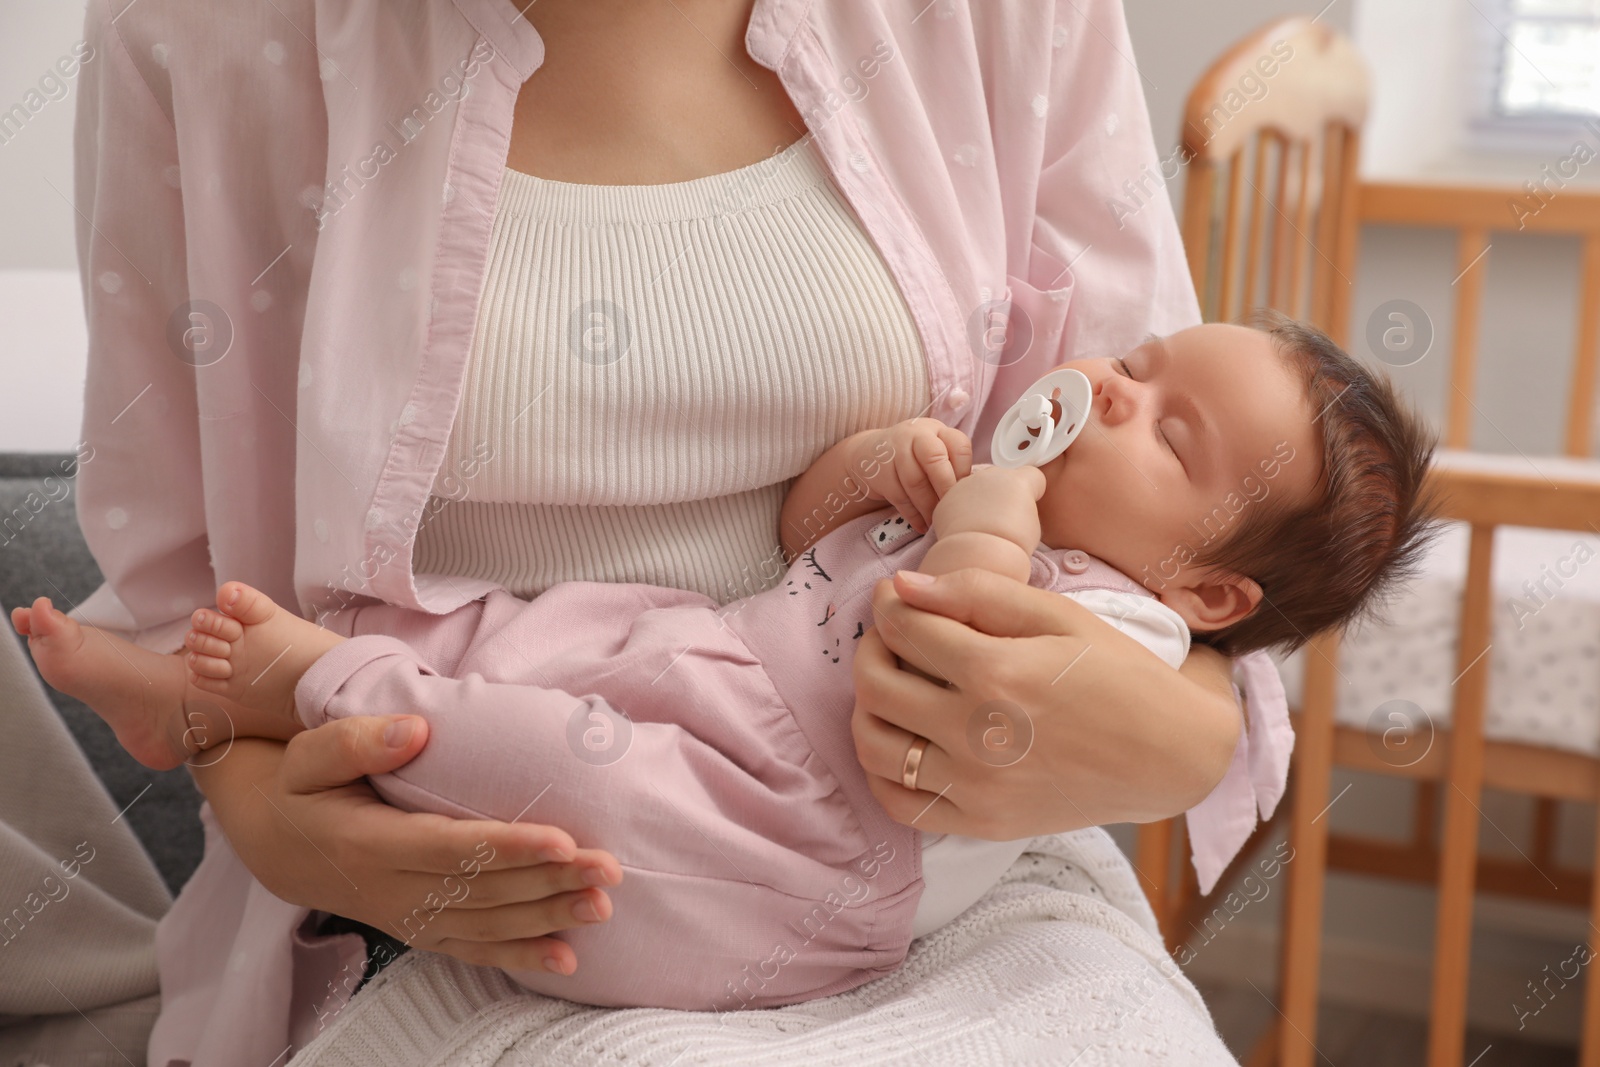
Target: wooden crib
column 1485, row 494
column 1250, row 248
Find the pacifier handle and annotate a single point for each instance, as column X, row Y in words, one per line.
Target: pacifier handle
column 1034, row 413
column 1044, row 420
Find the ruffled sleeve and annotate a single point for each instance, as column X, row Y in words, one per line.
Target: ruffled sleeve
column 1220, row 824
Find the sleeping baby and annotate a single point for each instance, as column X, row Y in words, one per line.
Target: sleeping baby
column 1242, row 486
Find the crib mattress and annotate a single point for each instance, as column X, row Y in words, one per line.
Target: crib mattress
column 1544, row 656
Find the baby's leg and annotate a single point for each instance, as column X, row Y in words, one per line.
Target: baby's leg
column 654, row 735
column 146, row 697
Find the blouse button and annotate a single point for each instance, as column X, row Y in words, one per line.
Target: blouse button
column 957, row 399
column 1075, row 562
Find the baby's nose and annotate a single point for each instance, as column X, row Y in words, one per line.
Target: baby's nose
column 1113, row 400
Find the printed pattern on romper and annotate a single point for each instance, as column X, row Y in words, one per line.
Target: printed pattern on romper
column 833, row 580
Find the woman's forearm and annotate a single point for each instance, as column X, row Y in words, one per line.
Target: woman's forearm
column 1208, row 748
column 1177, row 739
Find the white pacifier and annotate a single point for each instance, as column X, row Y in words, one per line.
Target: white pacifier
column 1048, row 417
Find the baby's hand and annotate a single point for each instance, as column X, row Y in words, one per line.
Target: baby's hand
column 912, row 464
column 1003, row 501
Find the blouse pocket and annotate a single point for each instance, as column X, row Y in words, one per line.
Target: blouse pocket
column 1035, row 322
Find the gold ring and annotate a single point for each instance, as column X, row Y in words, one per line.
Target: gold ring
column 908, row 774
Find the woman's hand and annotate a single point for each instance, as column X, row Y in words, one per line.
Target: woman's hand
column 314, row 833
column 1054, row 719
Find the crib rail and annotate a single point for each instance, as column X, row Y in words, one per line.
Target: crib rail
column 1487, row 493
column 1476, row 213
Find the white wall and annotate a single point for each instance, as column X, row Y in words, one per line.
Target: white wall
column 36, row 162
column 1418, row 90
column 42, row 336
column 1422, row 56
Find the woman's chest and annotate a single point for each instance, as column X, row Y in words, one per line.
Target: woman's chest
column 653, row 344
column 647, row 93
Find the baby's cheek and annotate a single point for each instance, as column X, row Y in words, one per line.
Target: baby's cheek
column 1132, row 527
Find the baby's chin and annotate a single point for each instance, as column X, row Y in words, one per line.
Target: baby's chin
column 1079, row 494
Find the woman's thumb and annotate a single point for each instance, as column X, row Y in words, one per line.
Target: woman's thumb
column 346, row 750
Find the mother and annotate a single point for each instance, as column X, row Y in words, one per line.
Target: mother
column 315, row 290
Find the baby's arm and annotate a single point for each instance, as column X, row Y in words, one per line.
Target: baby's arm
column 911, row 465
column 831, row 492
column 989, row 520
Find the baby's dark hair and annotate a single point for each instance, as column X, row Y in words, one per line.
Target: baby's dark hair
column 1326, row 562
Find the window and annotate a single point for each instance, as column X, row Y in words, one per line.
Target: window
column 1537, row 72
column 1550, row 58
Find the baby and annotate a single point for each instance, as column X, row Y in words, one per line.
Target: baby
column 1246, row 486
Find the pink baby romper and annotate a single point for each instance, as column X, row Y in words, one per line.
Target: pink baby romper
column 708, row 748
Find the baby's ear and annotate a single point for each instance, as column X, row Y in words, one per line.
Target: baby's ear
column 1212, row 599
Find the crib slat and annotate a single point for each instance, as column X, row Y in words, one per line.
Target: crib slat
column 1197, row 193
column 1327, row 236
column 1255, row 237
column 1589, row 1047
column 1581, row 399
column 1230, row 235
column 1346, row 233
column 1458, row 858
column 1153, row 862
column 1472, row 264
column 1299, row 245
column 1281, row 293
column 1301, row 958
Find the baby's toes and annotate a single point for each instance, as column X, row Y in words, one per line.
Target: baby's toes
column 216, row 624
column 206, row 645
column 210, row 666
column 47, row 622
column 219, row 686
column 20, row 620
column 245, row 603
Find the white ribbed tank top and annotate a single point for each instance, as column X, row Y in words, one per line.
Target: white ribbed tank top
column 652, row 367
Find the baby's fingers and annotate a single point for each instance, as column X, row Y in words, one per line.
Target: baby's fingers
column 934, row 460
column 959, row 445
column 897, row 497
column 914, row 481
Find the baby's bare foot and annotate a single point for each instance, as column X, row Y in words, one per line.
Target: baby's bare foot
column 252, row 652
column 142, row 695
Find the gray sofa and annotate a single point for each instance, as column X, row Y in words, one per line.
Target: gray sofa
column 36, row 550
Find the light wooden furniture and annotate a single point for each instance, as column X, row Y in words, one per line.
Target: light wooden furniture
column 1272, row 134
column 1271, row 137
column 1564, row 495
column 1271, row 217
